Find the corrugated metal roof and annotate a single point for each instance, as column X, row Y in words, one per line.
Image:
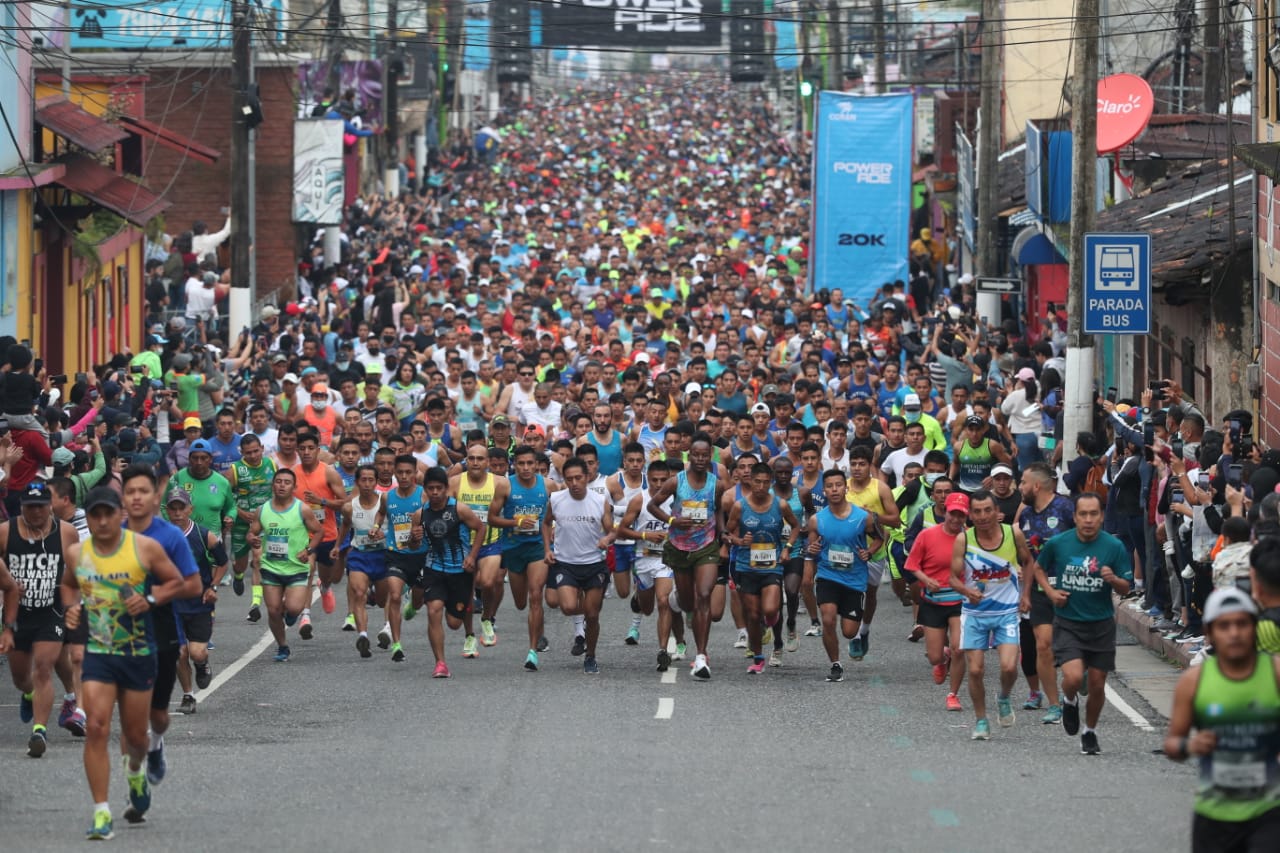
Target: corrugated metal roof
column 86, row 177
column 77, row 125
column 170, row 139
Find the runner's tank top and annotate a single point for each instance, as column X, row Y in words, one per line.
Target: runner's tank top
column 696, row 504
column 993, row 573
column 399, row 522
column 648, row 523
column 868, row 498
column 975, row 465
column 842, row 538
column 38, row 566
column 1240, row 779
column 525, row 502
column 447, row 539
column 620, row 507
column 317, row 481
column 253, row 486
column 763, row 555
column 284, row 535
column 610, row 454
column 106, row 580
column 361, row 523
column 478, row 498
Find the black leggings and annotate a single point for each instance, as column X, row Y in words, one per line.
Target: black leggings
column 1027, row 636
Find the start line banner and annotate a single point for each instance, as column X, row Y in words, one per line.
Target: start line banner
column 861, row 192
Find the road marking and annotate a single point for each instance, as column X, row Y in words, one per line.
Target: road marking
column 665, row 708
column 944, row 817
column 669, row 677
column 888, row 711
column 1114, row 697
column 924, row 776
column 227, row 673
column 901, row 741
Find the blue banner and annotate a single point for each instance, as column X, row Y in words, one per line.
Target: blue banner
column 475, row 50
column 861, row 192
column 786, row 53
column 161, row 24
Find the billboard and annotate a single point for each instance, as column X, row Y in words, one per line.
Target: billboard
column 632, row 23
column 861, row 192
column 161, row 24
column 317, row 171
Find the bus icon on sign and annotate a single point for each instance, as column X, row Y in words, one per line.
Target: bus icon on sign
column 1117, row 268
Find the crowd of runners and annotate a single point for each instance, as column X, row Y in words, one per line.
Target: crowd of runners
column 592, row 365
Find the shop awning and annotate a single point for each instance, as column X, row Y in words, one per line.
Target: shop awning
column 1031, row 247
column 77, row 125
column 169, row 139
column 31, row 176
column 86, row 177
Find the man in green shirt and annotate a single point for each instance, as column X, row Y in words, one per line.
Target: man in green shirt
column 250, row 480
column 213, row 503
column 188, row 385
column 148, row 359
column 1079, row 569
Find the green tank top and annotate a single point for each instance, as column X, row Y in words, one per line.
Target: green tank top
column 1240, row 779
column 975, row 464
column 253, row 485
column 284, row 535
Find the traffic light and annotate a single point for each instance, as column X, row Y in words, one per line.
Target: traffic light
column 448, row 86
column 513, row 54
column 747, row 57
column 806, row 89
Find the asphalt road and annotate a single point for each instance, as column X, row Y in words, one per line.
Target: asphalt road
column 331, row 752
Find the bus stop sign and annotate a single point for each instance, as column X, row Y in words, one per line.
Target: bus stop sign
column 1117, row 284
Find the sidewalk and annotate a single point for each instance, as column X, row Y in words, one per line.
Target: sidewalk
column 1138, row 623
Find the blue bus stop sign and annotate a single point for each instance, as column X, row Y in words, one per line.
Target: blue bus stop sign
column 1117, row 284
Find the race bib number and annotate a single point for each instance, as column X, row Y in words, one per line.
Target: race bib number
column 483, row 514
column 653, row 548
column 763, row 555
column 841, row 557
column 1231, row 773
column 401, row 533
column 318, row 512
column 277, row 547
column 468, row 426
column 694, row 510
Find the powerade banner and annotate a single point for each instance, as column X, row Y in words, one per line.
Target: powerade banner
column 861, row 192
column 631, row 23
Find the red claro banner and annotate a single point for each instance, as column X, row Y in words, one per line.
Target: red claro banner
column 1125, row 105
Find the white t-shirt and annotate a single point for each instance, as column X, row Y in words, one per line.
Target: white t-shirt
column 899, row 459
column 200, row 300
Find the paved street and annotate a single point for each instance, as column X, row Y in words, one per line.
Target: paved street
column 330, row 752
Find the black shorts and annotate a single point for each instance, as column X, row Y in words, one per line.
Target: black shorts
column 166, row 677
column 583, row 576
column 77, row 636
column 324, row 553
column 849, row 602
column 409, row 568
column 794, row 566
column 937, row 615
column 1091, row 642
column 38, row 626
column 198, row 627
column 455, row 589
column 1041, row 608
column 753, row 583
column 723, row 572
column 1220, row 836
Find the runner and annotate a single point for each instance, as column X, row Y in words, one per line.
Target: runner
column 196, row 613
column 985, row 569
column 367, row 559
column 287, row 535
column 484, row 494
column 406, row 557
column 622, row 487
column 930, row 560
column 1079, row 570
column 1232, row 700
column 250, row 482
column 810, row 479
column 875, row 497
column 34, row 547
column 654, row 579
column 323, row 491
column 453, row 535
column 523, row 557
column 975, row 456
column 119, row 577
column 693, row 548
column 842, row 538
column 801, row 503
column 71, row 717
column 576, row 531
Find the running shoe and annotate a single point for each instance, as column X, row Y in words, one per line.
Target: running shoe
column 815, row 630
column 681, row 648
column 981, row 731
column 157, row 766
column 1089, row 744
column 953, row 702
column 856, row 650
column 469, row 648
column 487, row 636
column 579, row 646
column 939, row 673
column 441, row 670
column 304, row 627
column 408, row 611
column 290, row 619
column 543, row 645
column 38, row 743
column 793, row 642
column 531, row 661
column 1071, row 719
column 766, row 639
column 741, row 642
column 282, row 654
column 633, row 636
column 1004, row 709
column 1035, row 700
column 1053, row 716
column 132, row 815
column 589, row 666
column 237, row 584
column 664, row 660
column 757, row 667
column 139, row 790
column 102, row 829
column 64, row 713
column 76, row 725
column 26, row 708
column 255, row 613
column 349, row 624
column 917, row 633
column 701, row 669
column 836, row 674
column 328, row 600
column 775, row 659
column 397, row 653
column 204, row 675
column 362, row 646
column 384, row 637
column 188, row 705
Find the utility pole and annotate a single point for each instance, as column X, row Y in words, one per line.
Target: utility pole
column 1213, row 63
column 240, row 302
column 989, row 142
column 878, row 36
column 837, row 46
column 391, row 105
column 1079, row 403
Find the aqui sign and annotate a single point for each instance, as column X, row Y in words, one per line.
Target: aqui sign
column 1117, row 284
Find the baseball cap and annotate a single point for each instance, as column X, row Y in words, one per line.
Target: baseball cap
column 200, row 446
column 177, row 495
column 1228, row 600
column 36, row 492
column 1026, row 374
column 641, row 356
column 535, row 429
column 270, row 311
column 974, row 420
column 290, row 377
column 760, row 408
column 101, row 496
column 279, row 358
column 911, row 401
column 958, row 502
column 748, row 313
column 63, row 457
column 319, row 388
column 499, row 420
column 768, row 389
column 655, row 293
column 1001, row 469
column 692, row 388
column 192, row 423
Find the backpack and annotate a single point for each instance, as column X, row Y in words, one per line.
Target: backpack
column 1093, row 481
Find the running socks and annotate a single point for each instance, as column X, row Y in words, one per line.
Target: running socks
column 154, row 741
column 1072, row 701
column 257, row 595
column 580, row 626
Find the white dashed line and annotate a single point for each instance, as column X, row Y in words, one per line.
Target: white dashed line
column 229, row 672
column 1125, row 708
column 666, row 707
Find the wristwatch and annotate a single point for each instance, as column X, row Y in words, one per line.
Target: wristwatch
column 11, row 626
column 151, row 599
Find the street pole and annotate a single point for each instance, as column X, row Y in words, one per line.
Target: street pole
column 989, row 142
column 1079, row 403
column 391, row 173
column 878, row 36
column 240, row 301
column 837, row 46
column 1212, row 58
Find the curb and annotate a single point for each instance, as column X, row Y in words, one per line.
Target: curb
column 1139, row 624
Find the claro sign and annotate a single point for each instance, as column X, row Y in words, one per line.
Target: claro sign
column 1125, row 104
